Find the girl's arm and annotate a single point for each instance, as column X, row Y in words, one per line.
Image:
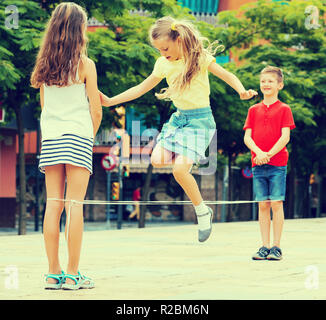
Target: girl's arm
column 132, row 93
column 92, row 93
column 261, row 156
column 232, row 80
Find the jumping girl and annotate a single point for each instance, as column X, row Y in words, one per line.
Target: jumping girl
column 185, row 63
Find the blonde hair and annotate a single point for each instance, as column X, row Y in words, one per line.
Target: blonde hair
column 63, row 44
column 192, row 50
column 274, row 70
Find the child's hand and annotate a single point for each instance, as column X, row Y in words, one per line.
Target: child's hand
column 105, row 101
column 248, row 94
column 261, row 158
column 269, row 154
column 260, row 162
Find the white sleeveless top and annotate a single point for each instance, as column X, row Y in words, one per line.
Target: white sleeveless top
column 66, row 110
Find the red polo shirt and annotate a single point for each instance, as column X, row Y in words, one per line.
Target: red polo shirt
column 266, row 123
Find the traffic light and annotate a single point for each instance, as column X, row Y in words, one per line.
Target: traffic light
column 116, row 150
column 126, row 171
column 115, row 190
column 121, row 111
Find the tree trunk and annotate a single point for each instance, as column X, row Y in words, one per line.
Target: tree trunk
column 319, row 180
column 144, row 196
column 229, row 208
column 305, row 197
column 22, row 172
column 291, row 184
column 163, row 111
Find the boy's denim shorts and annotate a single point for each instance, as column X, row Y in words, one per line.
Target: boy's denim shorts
column 269, row 182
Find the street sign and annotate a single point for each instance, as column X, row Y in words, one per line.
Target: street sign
column 247, row 173
column 108, row 162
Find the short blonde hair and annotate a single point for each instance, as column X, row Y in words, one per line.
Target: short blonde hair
column 275, row 70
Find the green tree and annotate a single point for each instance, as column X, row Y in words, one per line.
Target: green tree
column 124, row 58
column 18, row 45
column 129, row 58
column 300, row 52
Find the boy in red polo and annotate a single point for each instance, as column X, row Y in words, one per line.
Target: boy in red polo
column 267, row 132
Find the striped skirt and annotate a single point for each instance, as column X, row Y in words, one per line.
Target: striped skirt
column 67, row 149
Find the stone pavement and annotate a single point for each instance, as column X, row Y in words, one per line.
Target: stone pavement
column 167, row 263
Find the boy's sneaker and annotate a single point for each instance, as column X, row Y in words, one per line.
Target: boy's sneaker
column 275, row 254
column 261, row 254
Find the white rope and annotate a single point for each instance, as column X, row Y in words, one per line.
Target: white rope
column 71, row 202
column 68, row 218
column 157, row 202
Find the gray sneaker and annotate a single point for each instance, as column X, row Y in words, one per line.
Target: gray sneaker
column 203, row 235
column 275, row 254
column 261, row 254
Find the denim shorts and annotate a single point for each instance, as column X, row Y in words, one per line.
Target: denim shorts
column 188, row 133
column 269, row 182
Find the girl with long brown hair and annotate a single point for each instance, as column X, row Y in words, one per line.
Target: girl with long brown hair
column 71, row 115
column 185, row 63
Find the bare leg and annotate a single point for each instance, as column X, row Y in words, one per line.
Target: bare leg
column 189, row 184
column 186, row 180
column 181, row 167
column 55, row 184
column 135, row 212
column 278, row 221
column 161, row 157
column 77, row 181
column 265, row 222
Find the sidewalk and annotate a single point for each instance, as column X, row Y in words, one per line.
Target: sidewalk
column 167, row 262
column 96, row 226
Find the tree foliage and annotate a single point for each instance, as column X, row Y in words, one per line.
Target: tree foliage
column 260, row 33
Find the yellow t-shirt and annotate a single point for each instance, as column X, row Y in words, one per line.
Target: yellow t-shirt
column 194, row 96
